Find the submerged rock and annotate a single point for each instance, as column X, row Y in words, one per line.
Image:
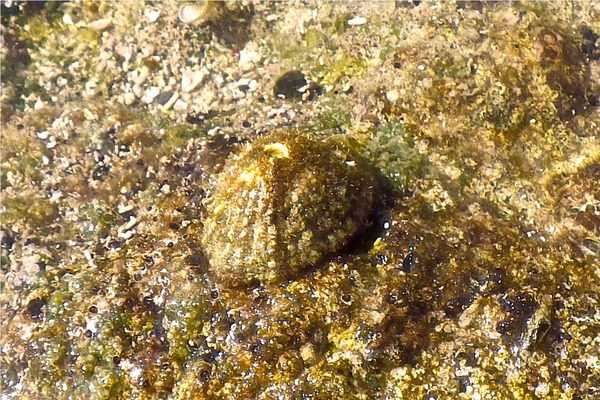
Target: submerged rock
column 282, row 205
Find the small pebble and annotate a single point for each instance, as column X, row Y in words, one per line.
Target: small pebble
column 129, row 98
column 39, row 104
column 67, row 19
column 90, row 116
column 101, row 66
column 91, row 85
column 141, row 77
column 219, row 81
column 89, row 257
column 123, row 50
column 165, row 97
column 243, row 82
column 294, row 85
column 392, row 96
column 248, row 59
column 137, row 90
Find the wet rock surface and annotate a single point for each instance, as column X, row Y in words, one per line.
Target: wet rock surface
column 476, row 274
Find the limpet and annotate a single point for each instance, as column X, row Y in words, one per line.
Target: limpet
column 282, row 205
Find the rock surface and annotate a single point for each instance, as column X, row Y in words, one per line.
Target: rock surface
column 479, row 277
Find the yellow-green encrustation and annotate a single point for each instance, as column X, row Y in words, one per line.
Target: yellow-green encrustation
column 283, row 204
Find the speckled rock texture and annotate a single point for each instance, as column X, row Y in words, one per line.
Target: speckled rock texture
column 426, row 218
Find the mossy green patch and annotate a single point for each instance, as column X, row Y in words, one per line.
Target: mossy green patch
column 394, row 152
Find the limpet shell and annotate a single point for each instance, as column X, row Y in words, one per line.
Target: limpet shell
column 284, row 204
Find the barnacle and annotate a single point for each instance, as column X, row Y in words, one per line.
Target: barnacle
column 283, row 204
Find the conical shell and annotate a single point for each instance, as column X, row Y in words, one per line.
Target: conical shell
column 284, row 204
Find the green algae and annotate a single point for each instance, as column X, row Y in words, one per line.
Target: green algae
column 395, row 154
column 337, row 120
column 186, row 332
column 319, row 54
column 48, row 56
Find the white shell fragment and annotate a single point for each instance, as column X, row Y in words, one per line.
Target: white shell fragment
column 100, row 24
column 151, row 94
column 171, row 101
column 180, row 105
column 189, row 13
column 191, row 79
column 152, row 15
column 357, row 21
column 67, row 19
column 122, row 209
column 123, row 231
column 43, row 135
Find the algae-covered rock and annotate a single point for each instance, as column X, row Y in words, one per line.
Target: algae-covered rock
column 132, row 242
column 283, row 204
